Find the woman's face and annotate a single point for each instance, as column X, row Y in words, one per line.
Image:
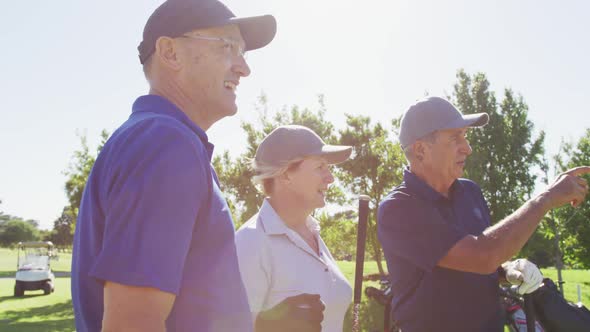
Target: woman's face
column 308, row 182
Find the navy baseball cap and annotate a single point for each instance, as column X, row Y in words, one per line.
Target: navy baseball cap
column 432, row 114
column 176, row 17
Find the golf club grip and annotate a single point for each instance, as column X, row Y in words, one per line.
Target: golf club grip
column 355, row 317
column 529, row 312
column 360, row 246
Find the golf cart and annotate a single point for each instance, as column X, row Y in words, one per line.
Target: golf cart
column 33, row 268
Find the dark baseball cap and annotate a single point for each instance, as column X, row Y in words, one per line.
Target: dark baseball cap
column 432, row 114
column 176, row 17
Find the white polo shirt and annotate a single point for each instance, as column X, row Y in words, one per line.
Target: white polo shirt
column 276, row 263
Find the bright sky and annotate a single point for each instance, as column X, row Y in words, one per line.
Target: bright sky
column 69, row 66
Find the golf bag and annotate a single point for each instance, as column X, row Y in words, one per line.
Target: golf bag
column 516, row 318
column 552, row 312
column 556, row 314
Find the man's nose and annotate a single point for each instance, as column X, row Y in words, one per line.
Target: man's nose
column 329, row 177
column 467, row 148
column 241, row 66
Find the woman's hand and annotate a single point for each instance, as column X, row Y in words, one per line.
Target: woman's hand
column 300, row 313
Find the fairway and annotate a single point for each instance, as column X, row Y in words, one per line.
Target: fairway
column 37, row 312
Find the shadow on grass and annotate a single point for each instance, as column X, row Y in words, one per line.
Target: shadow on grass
column 62, row 274
column 57, row 317
column 60, row 325
column 12, row 298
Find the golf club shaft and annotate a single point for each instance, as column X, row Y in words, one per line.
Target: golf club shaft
column 360, row 257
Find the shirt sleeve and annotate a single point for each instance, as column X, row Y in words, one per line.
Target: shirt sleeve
column 410, row 229
column 156, row 190
column 255, row 267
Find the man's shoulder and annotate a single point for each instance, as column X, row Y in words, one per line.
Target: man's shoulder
column 470, row 187
column 151, row 134
column 469, row 184
column 155, row 127
column 400, row 205
column 158, row 141
column 399, row 196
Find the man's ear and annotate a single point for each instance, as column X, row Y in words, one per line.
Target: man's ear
column 167, row 51
column 419, row 150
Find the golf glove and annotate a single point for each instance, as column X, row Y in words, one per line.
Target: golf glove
column 523, row 274
column 300, row 313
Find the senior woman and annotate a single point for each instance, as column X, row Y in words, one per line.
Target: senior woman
column 289, row 273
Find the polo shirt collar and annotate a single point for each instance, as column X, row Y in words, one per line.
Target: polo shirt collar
column 161, row 105
column 414, row 183
column 272, row 224
column 270, row 220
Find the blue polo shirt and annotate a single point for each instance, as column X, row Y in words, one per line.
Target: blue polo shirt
column 417, row 226
column 152, row 215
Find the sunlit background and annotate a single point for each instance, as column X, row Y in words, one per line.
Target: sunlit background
column 70, row 66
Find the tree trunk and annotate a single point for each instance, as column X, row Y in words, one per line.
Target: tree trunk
column 375, row 245
column 557, row 250
column 378, row 260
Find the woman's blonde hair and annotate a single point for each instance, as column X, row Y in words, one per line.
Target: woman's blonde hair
column 264, row 174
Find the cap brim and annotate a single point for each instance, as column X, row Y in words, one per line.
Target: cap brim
column 257, row 31
column 469, row 120
column 335, row 154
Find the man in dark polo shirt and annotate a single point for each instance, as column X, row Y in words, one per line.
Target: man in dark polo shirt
column 154, row 245
column 442, row 253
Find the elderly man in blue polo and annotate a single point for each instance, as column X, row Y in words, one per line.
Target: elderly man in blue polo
column 445, row 259
column 154, row 245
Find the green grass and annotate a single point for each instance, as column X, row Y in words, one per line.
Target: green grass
column 572, row 278
column 370, row 312
column 7, row 262
column 37, row 312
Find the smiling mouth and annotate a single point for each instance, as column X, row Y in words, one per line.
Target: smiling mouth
column 230, row 85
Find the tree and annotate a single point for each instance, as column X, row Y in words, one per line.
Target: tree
column 3, row 217
column 79, row 170
column 6, row 217
column 339, row 233
column 572, row 225
column 376, row 167
column 504, row 151
column 14, row 231
column 62, row 234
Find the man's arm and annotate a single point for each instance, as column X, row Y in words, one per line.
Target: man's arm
column 131, row 308
column 497, row 244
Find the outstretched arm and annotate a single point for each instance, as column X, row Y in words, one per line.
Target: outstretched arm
column 497, row 244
